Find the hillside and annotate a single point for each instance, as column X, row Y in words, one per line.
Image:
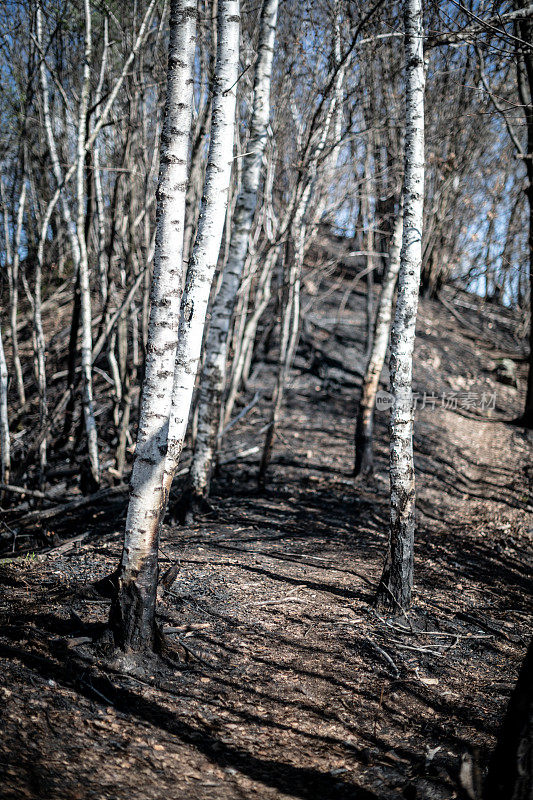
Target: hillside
column 278, row 678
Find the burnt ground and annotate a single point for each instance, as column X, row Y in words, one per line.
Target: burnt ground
column 279, row 680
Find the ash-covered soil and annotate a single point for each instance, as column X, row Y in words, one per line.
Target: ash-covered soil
column 278, row 679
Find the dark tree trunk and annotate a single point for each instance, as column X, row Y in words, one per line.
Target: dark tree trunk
column 71, row 364
column 132, row 616
column 525, row 88
column 528, row 410
column 510, row 775
column 364, row 436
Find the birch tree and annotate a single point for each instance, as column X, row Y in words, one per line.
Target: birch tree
column 214, row 370
column 85, row 287
column 364, row 463
column 394, row 592
column 297, row 229
column 133, row 610
column 12, row 264
column 208, row 240
column 524, row 70
column 5, row 445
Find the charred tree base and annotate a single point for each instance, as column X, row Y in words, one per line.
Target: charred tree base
column 132, row 615
column 524, row 421
column 385, row 600
column 189, row 506
column 393, row 595
column 364, row 456
column 141, row 665
column 108, row 586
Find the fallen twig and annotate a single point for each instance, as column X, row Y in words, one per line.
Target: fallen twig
column 420, row 649
column 60, row 548
column 384, row 655
column 48, row 513
column 285, row 599
column 241, row 414
column 8, row 487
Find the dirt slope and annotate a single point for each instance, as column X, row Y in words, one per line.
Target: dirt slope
column 288, row 684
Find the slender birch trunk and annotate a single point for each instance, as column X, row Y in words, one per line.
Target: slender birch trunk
column 85, row 287
column 525, row 86
column 206, row 248
column 196, row 179
column 214, row 369
column 364, row 461
column 289, row 316
column 245, row 333
column 98, row 192
column 5, row 446
column 244, row 351
column 368, row 241
column 201, row 132
column 394, row 592
column 13, row 277
column 40, row 348
column 133, row 610
column 290, row 320
column 293, row 264
column 70, row 225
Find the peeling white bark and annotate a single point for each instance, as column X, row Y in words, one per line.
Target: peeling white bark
column 133, row 612
column 364, row 426
column 85, row 287
column 213, row 375
column 397, row 580
column 206, row 248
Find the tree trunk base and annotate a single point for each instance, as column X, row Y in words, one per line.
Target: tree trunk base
column 385, row 599
column 106, row 587
column 140, row 665
column 364, row 450
column 189, row 507
column 364, row 463
column 510, row 772
column 132, row 614
column 525, row 420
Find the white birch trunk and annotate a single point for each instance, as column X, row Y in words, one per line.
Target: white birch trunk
column 98, row 192
column 206, row 248
column 40, row 348
column 52, row 147
column 5, row 447
column 365, row 416
column 133, row 612
column 244, row 353
column 290, row 311
column 244, row 335
column 14, row 290
column 85, row 287
column 395, row 588
column 213, row 376
column 12, row 261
